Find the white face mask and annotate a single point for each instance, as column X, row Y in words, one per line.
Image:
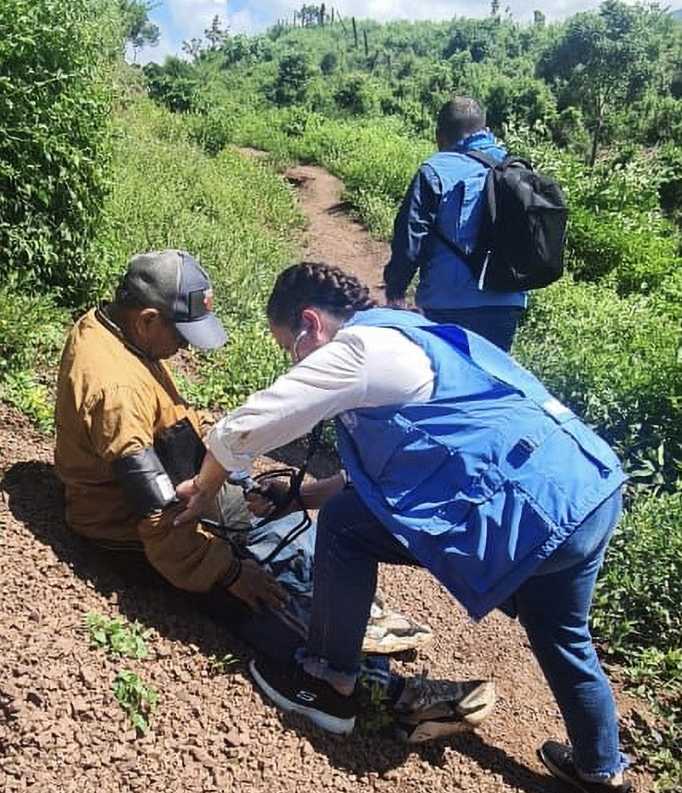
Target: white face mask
column 294, row 347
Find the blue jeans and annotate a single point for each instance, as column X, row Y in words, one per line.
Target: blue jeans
column 553, row 607
column 496, row 323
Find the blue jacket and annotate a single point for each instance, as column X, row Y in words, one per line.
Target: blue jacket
column 447, row 193
column 486, row 479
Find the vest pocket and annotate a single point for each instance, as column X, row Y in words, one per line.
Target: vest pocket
column 401, row 460
column 484, row 541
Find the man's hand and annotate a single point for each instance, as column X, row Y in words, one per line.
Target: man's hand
column 256, row 588
column 198, row 503
column 269, row 496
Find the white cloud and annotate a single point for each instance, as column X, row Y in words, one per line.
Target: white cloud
column 195, row 15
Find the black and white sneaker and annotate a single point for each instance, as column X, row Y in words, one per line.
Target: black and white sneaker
column 558, row 759
column 294, row 690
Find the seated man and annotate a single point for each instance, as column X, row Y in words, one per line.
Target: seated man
column 121, row 424
column 125, row 437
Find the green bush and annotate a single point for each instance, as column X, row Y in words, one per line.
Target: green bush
column 637, row 604
column 55, row 100
column 616, row 362
column 31, row 335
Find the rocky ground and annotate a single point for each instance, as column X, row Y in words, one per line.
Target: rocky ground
column 61, row 728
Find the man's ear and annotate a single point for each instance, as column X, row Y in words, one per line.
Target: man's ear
column 148, row 317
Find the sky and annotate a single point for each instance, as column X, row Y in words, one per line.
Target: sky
column 180, row 20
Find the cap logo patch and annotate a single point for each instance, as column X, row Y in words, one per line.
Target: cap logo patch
column 208, row 299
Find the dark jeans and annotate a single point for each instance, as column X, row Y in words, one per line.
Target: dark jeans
column 496, row 323
column 553, row 607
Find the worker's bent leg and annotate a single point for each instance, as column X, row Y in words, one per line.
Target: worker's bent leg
column 350, row 544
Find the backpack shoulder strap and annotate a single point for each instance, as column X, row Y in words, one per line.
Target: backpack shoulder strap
column 482, row 157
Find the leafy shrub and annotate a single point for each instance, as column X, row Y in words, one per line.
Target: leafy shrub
column 31, row 330
column 31, row 334
column 615, row 361
column 638, row 597
column 55, row 99
column 172, row 84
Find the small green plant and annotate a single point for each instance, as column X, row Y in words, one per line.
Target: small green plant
column 221, row 664
column 117, row 637
column 136, row 698
column 375, row 714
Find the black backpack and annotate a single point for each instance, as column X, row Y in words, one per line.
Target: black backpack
column 521, row 240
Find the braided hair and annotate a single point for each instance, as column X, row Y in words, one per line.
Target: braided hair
column 316, row 284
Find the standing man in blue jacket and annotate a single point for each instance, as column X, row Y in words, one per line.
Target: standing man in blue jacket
column 446, row 202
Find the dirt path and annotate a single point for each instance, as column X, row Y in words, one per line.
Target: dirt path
column 61, row 729
column 331, row 236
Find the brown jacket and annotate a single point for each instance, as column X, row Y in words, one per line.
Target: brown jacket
column 112, row 402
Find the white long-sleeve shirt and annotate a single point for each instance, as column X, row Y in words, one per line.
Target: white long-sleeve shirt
column 361, row 367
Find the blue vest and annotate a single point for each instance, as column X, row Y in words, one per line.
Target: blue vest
column 445, row 281
column 486, row 479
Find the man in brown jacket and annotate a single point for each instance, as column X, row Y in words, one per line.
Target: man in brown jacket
column 122, row 427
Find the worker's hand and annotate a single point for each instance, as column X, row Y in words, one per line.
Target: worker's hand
column 269, row 496
column 198, row 503
column 257, row 588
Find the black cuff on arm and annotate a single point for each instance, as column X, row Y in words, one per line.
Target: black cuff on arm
column 144, row 482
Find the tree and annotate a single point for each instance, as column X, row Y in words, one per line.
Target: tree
column 139, row 31
column 293, row 79
column 329, row 63
column 216, row 35
column 173, row 84
column 603, row 60
column 193, row 47
column 539, row 19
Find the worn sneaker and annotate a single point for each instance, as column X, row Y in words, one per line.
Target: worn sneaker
column 295, row 691
column 558, row 759
column 430, row 709
column 390, row 632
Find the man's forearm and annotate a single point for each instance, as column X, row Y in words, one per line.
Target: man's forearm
column 315, row 494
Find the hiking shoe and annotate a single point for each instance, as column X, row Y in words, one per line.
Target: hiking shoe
column 390, row 632
column 429, row 709
column 295, row 691
column 558, row 759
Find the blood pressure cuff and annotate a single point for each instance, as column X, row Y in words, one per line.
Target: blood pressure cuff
column 149, row 477
column 180, row 450
column 144, row 481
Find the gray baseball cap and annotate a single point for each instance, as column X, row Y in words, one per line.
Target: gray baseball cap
column 172, row 282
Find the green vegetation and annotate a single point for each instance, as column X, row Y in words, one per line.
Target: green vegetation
column 116, row 637
column 221, row 664
column 56, row 63
column 137, row 699
column 31, row 332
